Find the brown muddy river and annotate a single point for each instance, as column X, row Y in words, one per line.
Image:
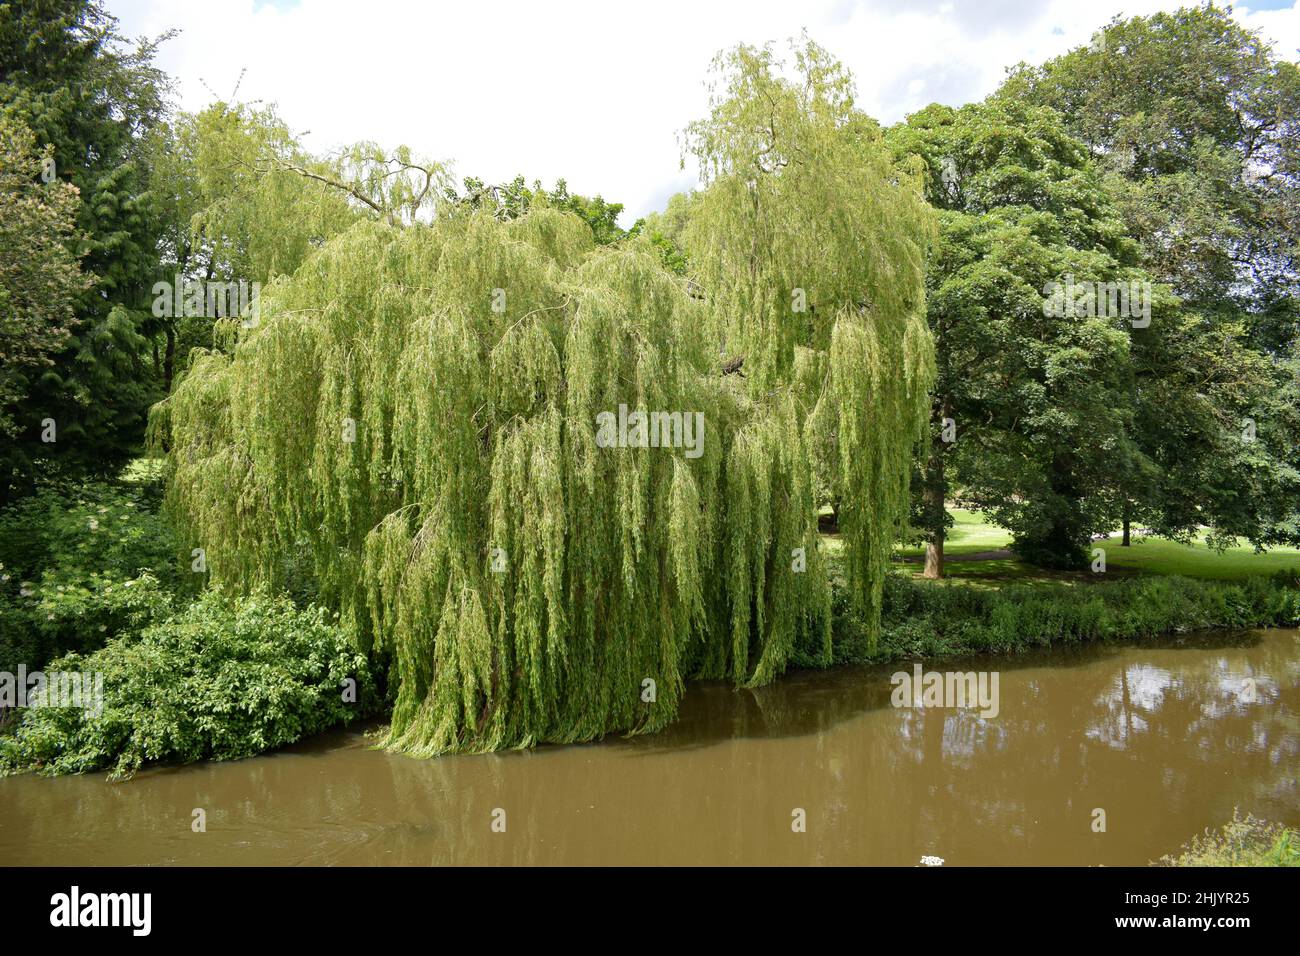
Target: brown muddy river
column 1166, row 738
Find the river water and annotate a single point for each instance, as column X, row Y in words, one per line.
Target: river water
column 1166, row 738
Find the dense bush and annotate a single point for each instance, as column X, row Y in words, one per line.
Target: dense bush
column 82, row 563
column 219, row 680
column 110, row 526
column 921, row 619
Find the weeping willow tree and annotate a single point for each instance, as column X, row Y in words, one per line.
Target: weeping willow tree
column 420, row 410
column 809, row 243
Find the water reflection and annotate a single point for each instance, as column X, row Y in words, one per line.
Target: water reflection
column 1167, row 739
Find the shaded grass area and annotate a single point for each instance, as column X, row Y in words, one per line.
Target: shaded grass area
column 971, row 535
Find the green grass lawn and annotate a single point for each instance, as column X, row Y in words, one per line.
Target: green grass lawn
column 1158, row 556
column 968, row 535
column 971, row 534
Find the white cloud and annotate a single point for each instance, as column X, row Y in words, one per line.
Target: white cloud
column 591, row 91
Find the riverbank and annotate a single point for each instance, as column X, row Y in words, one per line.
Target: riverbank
column 1161, row 736
column 922, row 619
column 1244, row 841
column 115, row 596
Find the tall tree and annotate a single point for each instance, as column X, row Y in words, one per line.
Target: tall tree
column 1196, row 124
column 67, row 74
column 40, row 281
column 808, row 244
column 519, row 464
column 1031, row 408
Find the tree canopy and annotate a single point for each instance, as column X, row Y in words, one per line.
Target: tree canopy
column 1194, row 121
column 68, row 75
column 40, row 282
column 1034, row 407
column 420, row 408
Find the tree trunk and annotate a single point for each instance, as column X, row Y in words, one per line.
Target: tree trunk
column 934, row 556
column 1124, row 542
column 935, row 494
column 934, row 505
column 169, row 359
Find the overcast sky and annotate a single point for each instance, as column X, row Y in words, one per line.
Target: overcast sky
column 593, row 92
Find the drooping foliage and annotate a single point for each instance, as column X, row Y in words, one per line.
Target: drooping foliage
column 426, row 410
column 230, row 209
column 239, row 209
column 810, row 243
column 440, row 459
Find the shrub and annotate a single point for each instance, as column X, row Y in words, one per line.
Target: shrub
column 219, row 680
column 81, row 563
column 81, row 615
column 929, row 620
